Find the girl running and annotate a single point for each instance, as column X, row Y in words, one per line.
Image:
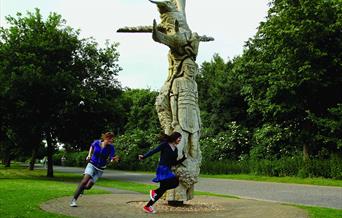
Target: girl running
column 164, row 175
column 100, row 152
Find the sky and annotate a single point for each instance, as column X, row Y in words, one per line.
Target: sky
column 144, row 62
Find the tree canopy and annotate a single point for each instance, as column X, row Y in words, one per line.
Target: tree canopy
column 55, row 85
column 292, row 67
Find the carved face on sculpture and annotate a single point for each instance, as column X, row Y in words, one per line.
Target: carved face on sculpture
column 189, row 68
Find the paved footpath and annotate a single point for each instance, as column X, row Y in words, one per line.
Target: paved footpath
column 130, row 204
column 312, row 195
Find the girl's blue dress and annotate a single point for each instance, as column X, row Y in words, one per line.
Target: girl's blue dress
column 163, row 173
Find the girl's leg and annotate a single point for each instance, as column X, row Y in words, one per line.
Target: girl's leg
column 164, row 186
column 95, row 176
column 89, row 184
column 82, row 185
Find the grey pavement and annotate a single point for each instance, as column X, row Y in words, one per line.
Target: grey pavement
column 129, row 205
column 310, row 195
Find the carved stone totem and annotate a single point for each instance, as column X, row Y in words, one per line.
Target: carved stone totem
column 177, row 102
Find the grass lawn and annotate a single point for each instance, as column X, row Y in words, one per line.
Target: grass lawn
column 295, row 180
column 22, row 191
column 320, row 212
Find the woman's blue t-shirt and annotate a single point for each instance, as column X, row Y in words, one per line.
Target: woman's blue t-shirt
column 101, row 155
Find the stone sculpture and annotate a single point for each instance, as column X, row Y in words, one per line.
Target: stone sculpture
column 177, row 102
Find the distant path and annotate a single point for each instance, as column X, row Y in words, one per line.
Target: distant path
column 312, row 195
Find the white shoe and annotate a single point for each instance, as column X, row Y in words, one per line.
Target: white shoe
column 73, row 203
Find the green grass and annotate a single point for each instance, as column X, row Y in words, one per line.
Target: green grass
column 295, row 180
column 22, row 197
column 320, row 212
column 22, row 191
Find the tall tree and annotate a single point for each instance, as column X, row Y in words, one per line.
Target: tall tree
column 292, row 67
column 141, row 112
column 220, row 100
column 47, row 73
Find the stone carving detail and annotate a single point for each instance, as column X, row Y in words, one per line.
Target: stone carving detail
column 177, row 102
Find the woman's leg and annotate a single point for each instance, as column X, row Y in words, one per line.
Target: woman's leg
column 94, row 177
column 89, row 184
column 164, row 186
column 82, row 185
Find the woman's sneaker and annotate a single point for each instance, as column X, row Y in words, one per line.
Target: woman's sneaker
column 153, row 194
column 73, row 203
column 149, row 209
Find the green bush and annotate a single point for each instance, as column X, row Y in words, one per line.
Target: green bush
column 233, row 144
column 224, row 167
column 321, row 168
column 336, row 167
column 57, row 157
column 77, row 159
column 282, row 167
column 330, row 128
column 130, row 145
column 287, row 166
column 272, row 141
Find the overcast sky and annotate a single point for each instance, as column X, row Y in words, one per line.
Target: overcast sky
column 144, row 61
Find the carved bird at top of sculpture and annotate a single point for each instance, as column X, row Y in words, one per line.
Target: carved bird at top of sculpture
column 170, row 11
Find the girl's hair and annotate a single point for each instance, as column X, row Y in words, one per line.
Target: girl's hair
column 170, row 138
column 107, row 135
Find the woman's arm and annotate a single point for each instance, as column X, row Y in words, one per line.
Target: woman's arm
column 151, row 152
column 182, row 159
column 91, row 149
column 112, row 156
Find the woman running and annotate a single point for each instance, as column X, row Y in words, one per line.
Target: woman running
column 164, row 175
column 100, row 153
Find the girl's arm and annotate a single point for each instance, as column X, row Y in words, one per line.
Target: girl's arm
column 182, row 159
column 151, row 152
column 112, row 156
column 91, row 149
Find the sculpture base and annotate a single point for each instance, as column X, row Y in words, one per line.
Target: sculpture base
column 175, row 203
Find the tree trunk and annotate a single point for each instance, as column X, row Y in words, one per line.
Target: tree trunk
column 7, row 161
column 49, row 154
column 305, row 152
column 307, row 128
column 7, row 157
column 33, row 158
